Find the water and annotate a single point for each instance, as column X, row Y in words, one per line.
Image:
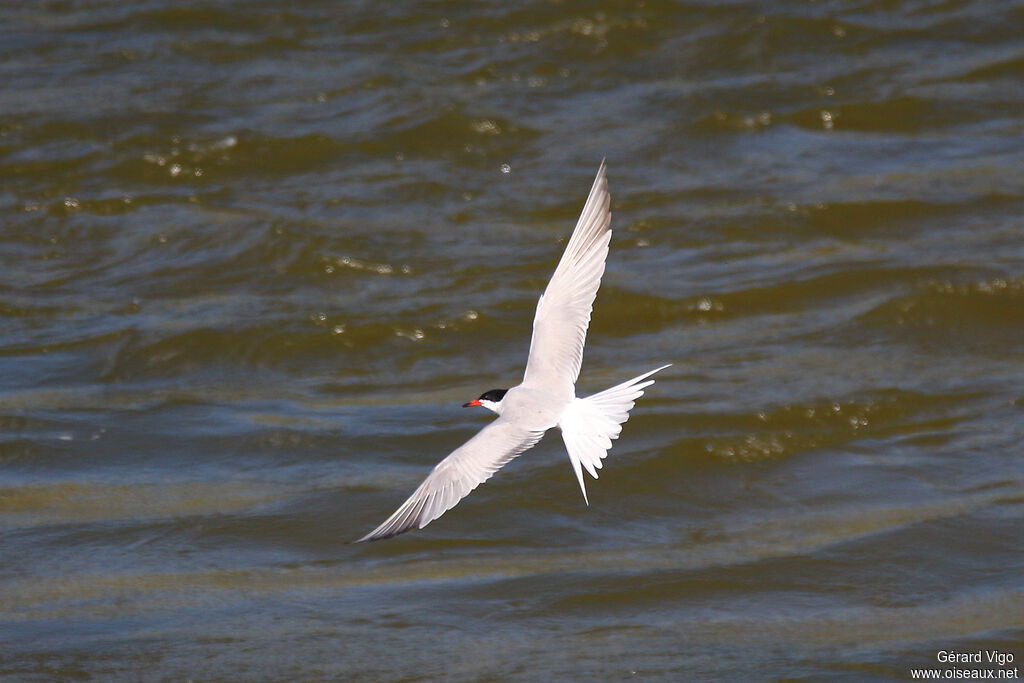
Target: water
column 253, row 257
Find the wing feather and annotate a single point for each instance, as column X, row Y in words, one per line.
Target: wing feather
column 454, row 477
column 563, row 311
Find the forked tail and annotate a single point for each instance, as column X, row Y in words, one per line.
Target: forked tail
column 589, row 424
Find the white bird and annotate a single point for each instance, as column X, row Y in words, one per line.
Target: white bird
column 546, row 397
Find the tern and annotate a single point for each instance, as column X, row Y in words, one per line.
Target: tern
column 546, row 397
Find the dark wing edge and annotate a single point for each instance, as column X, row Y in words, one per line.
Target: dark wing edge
column 564, row 309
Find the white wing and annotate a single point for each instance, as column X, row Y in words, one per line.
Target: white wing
column 563, row 312
column 454, row 477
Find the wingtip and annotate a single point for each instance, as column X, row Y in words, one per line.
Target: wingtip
column 373, row 536
column 376, row 535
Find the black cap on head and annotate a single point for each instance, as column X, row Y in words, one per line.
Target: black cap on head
column 494, row 395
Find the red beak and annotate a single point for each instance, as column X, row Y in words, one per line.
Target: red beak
column 472, row 404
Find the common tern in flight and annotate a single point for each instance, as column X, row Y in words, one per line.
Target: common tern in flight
column 546, row 397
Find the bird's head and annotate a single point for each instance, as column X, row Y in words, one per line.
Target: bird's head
column 489, row 399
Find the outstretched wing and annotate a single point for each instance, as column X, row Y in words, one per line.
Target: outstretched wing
column 454, row 477
column 563, row 312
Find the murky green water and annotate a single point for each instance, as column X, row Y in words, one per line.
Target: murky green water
column 253, row 257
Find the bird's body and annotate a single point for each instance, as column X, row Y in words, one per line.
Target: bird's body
column 533, row 408
column 546, row 398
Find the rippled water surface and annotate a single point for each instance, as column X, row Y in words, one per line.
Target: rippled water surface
column 254, row 255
